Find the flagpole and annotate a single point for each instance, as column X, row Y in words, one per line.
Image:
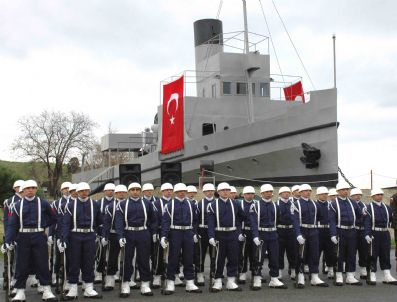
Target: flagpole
column 334, row 53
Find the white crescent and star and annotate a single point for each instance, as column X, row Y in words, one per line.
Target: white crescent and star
column 173, row 97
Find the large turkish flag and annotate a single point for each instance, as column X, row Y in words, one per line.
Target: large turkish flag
column 172, row 121
column 294, row 92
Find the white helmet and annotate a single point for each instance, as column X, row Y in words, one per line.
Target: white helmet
column 377, row 191
column 208, row 187
column 233, row 189
column 166, row 186
column 332, row 192
column 322, row 190
column 110, row 187
column 120, row 188
column 356, row 191
column 134, row 185
column 73, row 187
column 147, row 187
column 295, row 188
column 283, row 190
column 223, row 186
column 266, row 188
column 83, row 186
column 30, row 184
column 305, row 187
column 18, row 183
column 248, row 190
column 21, row 188
column 65, row 185
column 180, row 187
column 191, row 189
column 342, row 186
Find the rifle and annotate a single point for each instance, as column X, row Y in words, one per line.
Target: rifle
column 241, row 260
column 7, row 274
column 122, row 256
column 52, row 256
column 213, row 258
column 336, row 260
column 197, row 251
column 62, row 272
column 105, row 265
column 257, row 264
column 301, row 259
column 371, row 262
column 164, row 273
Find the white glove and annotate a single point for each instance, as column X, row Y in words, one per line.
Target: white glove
column 97, row 239
column 155, row 237
column 368, row 238
column 61, row 247
column 257, row 241
column 212, row 242
column 195, row 238
column 241, row 237
column 50, row 241
column 334, row 239
column 122, row 242
column 104, row 242
column 300, row 239
column 4, row 248
column 164, row 242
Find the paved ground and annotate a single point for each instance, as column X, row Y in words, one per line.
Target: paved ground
column 379, row 293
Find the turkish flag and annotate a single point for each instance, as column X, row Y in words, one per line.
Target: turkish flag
column 173, row 114
column 294, row 92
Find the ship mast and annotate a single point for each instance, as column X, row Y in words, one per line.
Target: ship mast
column 248, row 70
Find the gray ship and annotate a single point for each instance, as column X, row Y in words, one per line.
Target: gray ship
column 238, row 124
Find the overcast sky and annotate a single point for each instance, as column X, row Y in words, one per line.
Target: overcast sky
column 107, row 58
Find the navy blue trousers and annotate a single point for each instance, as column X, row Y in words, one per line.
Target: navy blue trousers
column 141, row 241
column 270, row 245
column 205, row 246
column 81, row 256
column 312, row 254
column 114, row 250
column 362, row 249
column 347, row 250
column 381, row 250
column 249, row 250
column 180, row 240
column 287, row 245
column 32, row 246
column 327, row 247
column 228, row 249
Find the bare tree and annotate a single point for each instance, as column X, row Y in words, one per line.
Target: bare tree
column 53, row 138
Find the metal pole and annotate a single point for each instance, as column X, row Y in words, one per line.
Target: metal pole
column 372, row 179
column 245, row 27
column 333, row 42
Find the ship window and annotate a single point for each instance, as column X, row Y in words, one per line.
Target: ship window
column 213, row 89
column 264, row 89
column 227, row 88
column 209, row 128
column 241, row 88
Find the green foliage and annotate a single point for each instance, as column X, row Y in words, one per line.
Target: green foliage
column 7, row 178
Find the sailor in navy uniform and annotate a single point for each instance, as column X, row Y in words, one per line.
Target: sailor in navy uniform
column 179, row 231
column 246, row 246
column 27, row 222
column 263, row 218
column 295, row 192
column 136, row 225
column 343, row 214
column 224, row 230
column 8, row 203
column 81, row 220
column 362, row 246
column 332, row 194
column 106, row 200
column 110, row 236
column 160, row 203
column 286, row 235
column 326, row 245
column 306, row 216
column 233, row 193
column 376, row 230
column 208, row 191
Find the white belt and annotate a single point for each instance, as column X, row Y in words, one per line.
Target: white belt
column 346, row 227
column 359, row 228
column 181, row 227
column 28, row 230
column 247, row 228
column 141, row 228
column 323, row 226
column 381, row 229
column 88, row 230
column 229, row 229
column 285, row 226
column 203, row 226
column 113, row 231
column 308, row 226
column 267, row 229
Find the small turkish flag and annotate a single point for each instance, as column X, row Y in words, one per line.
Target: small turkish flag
column 173, row 117
column 294, row 92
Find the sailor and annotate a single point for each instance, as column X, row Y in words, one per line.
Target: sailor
column 191, row 193
column 105, row 201
column 148, row 192
column 208, row 191
column 306, row 216
column 81, row 220
column 233, row 193
column 246, row 246
column 73, row 191
column 27, row 222
column 136, row 226
column 179, row 231
column 362, row 246
column 224, row 230
column 8, row 203
column 332, row 194
column 343, row 214
column 158, row 265
column 110, row 236
column 295, row 192
column 326, row 245
column 286, row 235
column 263, row 217
column 376, row 232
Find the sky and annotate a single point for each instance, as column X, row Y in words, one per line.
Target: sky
column 107, row 58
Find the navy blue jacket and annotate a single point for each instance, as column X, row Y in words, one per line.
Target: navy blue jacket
column 268, row 214
column 109, row 218
column 348, row 210
column 323, row 206
column 202, row 211
column 59, row 206
column 160, row 204
column 286, row 214
column 305, row 212
column 382, row 216
column 7, row 208
column 246, row 206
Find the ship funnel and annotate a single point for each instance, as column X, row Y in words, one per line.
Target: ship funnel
column 208, row 39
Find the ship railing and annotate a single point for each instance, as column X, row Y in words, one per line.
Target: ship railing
column 277, row 84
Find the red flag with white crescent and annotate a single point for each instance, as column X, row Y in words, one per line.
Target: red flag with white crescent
column 173, row 114
column 294, row 92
